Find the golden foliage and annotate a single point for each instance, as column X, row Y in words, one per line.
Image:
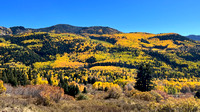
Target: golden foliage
column 103, row 85
column 39, row 80
column 2, row 88
column 31, row 41
column 64, row 61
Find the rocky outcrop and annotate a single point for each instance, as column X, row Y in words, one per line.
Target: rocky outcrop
column 5, row 31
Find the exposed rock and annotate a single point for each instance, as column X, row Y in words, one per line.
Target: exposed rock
column 5, row 31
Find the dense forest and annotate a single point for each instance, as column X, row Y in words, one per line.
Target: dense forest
column 85, row 60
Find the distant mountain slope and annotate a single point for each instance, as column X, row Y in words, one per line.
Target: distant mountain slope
column 19, row 29
column 60, row 28
column 65, row 28
column 5, row 31
column 99, row 30
column 194, row 37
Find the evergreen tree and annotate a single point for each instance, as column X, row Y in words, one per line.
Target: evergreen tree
column 49, row 79
column 73, row 90
column 13, row 80
column 61, row 83
column 93, row 80
column 84, row 90
column 89, row 81
column 77, row 90
column 29, row 74
column 24, row 80
column 45, row 74
column 19, row 77
column 106, row 89
column 66, row 88
column 84, row 82
column 4, row 77
column 197, row 94
column 34, row 73
column 144, row 78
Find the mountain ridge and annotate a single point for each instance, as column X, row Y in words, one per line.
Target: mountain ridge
column 194, row 37
column 66, row 28
column 60, row 28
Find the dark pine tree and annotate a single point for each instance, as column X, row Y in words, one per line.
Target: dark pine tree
column 84, row 90
column 73, row 90
column 66, row 88
column 93, row 80
column 89, row 81
column 13, row 80
column 49, row 79
column 106, row 89
column 61, row 83
column 144, row 78
column 84, row 82
column 197, row 94
column 4, row 77
column 29, row 74
column 24, row 80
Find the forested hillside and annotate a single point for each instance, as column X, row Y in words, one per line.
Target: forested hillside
column 168, row 53
column 74, row 58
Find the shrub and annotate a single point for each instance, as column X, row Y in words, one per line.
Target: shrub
column 2, row 88
column 185, row 89
column 128, row 87
column 68, row 97
column 176, row 105
column 172, row 90
column 46, row 94
column 131, row 93
column 147, row 96
column 49, row 94
column 114, row 93
column 82, row 97
column 163, row 94
column 157, row 96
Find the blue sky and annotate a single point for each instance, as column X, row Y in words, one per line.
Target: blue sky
column 153, row 16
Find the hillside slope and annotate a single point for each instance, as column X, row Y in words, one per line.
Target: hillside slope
column 170, row 54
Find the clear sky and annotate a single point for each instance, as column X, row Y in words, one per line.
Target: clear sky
column 153, row 16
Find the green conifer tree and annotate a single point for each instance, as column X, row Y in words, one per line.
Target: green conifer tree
column 49, row 79
column 144, row 78
column 4, row 77
column 84, row 90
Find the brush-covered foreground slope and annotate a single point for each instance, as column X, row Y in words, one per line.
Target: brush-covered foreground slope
column 170, row 54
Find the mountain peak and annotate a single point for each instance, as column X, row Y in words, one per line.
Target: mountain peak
column 19, row 29
column 66, row 28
